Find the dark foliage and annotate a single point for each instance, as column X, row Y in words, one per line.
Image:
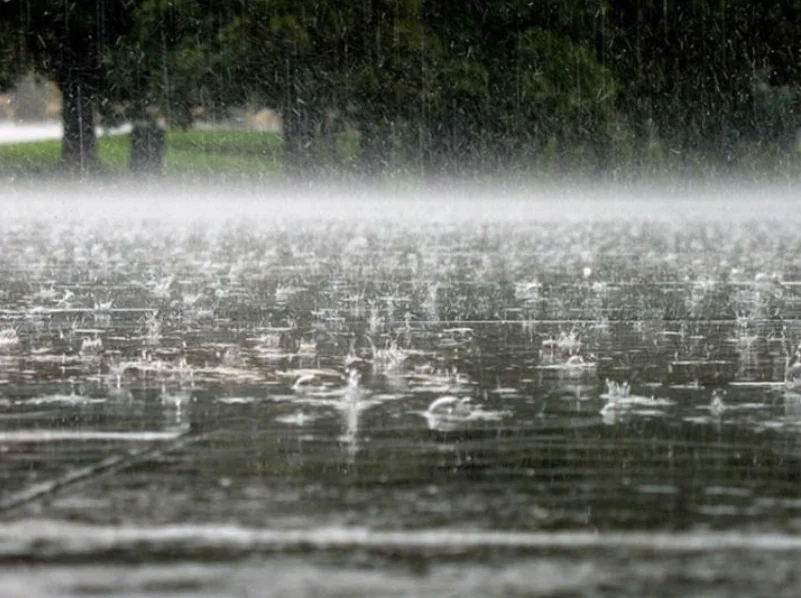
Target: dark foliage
column 434, row 87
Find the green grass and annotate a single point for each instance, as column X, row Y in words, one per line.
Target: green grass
column 195, row 152
column 217, row 153
column 33, row 157
column 229, row 142
column 206, row 154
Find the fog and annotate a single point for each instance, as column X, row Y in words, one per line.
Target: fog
column 444, row 202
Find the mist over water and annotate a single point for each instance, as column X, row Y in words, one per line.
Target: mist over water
column 446, row 201
column 445, row 378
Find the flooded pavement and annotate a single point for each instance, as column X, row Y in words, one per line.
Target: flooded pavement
column 382, row 406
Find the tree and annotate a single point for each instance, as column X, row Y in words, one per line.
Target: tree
column 158, row 72
column 707, row 75
column 12, row 57
column 518, row 79
column 65, row 40
column 323, row 63
column 273, row 54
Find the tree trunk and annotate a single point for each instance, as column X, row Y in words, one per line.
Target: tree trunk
column 291, row 131
column 147, row 148
column 375, row 139
column 299, row 128
column 79, row 145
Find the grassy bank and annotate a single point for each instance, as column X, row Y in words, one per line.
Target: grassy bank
column 196, row 152
column 228, row 154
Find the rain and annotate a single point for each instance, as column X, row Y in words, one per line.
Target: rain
column 399, row 298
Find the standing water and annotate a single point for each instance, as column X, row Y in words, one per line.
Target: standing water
column 521, row 394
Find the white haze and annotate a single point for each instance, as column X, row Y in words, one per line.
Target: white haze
column 458, row 202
